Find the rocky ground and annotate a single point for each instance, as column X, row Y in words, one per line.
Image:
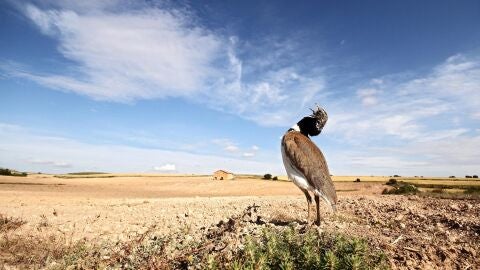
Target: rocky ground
column 414, row 232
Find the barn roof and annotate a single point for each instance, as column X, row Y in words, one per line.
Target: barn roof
column 218, row 171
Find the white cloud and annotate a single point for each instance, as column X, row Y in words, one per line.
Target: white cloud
column 165, row 168
column 411, row 108
column 58, row 164
column 231, row 148
column 368, row 96
column 128, row 55
column 255, row 148
column 148, row 52
column 248, row 154
column 21, row 146
column 226, row 145
column 419, row 124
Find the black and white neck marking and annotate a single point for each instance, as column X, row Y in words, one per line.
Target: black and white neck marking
column 294, row 128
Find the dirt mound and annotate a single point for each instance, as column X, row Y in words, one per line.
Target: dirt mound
column 417, row 232
column 414, row 232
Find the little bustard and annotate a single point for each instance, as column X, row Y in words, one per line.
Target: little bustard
column 304, row 162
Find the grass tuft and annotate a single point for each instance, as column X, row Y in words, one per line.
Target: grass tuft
column 9, row 223
column 289, row 249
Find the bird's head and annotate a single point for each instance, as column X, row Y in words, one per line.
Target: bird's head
column 313, row 124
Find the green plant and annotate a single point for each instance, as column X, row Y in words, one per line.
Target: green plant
column 392, row 182
column 289, row 249
column 8, row 172
column 402, row 188
column 267, row 176
column 4, row 171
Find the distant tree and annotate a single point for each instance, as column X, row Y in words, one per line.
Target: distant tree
column 468, row 176
column 275, row 178
column 475, row 176
column 5, row 171
column 357, row 180
column 396, row 175
column 392, row 182
column 451, row 176
column 267, row 176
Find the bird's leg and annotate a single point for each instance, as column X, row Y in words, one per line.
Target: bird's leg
column 317, row 202
column 309, row 203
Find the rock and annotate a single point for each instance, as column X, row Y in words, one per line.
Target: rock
column 469, row 206
column 454, row 207
column 402, row 226
column 399, row 217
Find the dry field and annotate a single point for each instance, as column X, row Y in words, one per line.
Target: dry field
column 414, row 232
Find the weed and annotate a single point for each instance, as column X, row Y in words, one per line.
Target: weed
column 392, row 182
column 402, row 188
column 289, row 249
column 9, row 223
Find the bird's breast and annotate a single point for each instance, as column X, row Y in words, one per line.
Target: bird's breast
column 293, row 173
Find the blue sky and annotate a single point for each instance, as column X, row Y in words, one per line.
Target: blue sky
column 191, row 87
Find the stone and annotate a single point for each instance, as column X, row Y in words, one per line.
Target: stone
column 454, row 207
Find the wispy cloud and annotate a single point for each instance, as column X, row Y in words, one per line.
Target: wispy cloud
column 122, row 56
column 25, row 149
column 153, row 51
column 417, row 123
column 165, row 168
column 412, row 108
column 58, row 164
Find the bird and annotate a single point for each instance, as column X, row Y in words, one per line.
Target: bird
column 305, row 163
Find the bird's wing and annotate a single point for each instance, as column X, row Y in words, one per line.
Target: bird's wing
column 309, row 160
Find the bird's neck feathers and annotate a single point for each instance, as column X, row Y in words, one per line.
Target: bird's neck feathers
column 309, row 126
column 295, row 128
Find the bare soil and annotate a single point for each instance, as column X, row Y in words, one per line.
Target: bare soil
column 415, row 232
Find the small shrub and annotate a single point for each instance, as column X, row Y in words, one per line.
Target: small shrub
column 267, row 176
column 357, row 180
column 290, row 250
column 9, row 223
column 275, row 178
column 8, row 172
column 472, row 190
column 402, row 189
column 5, row 172
column 475, row 176
column 452, row 176
column 396, row 175
column 392, row 182
column 468, row 176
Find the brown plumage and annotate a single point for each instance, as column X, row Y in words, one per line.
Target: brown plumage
column 305, row 164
